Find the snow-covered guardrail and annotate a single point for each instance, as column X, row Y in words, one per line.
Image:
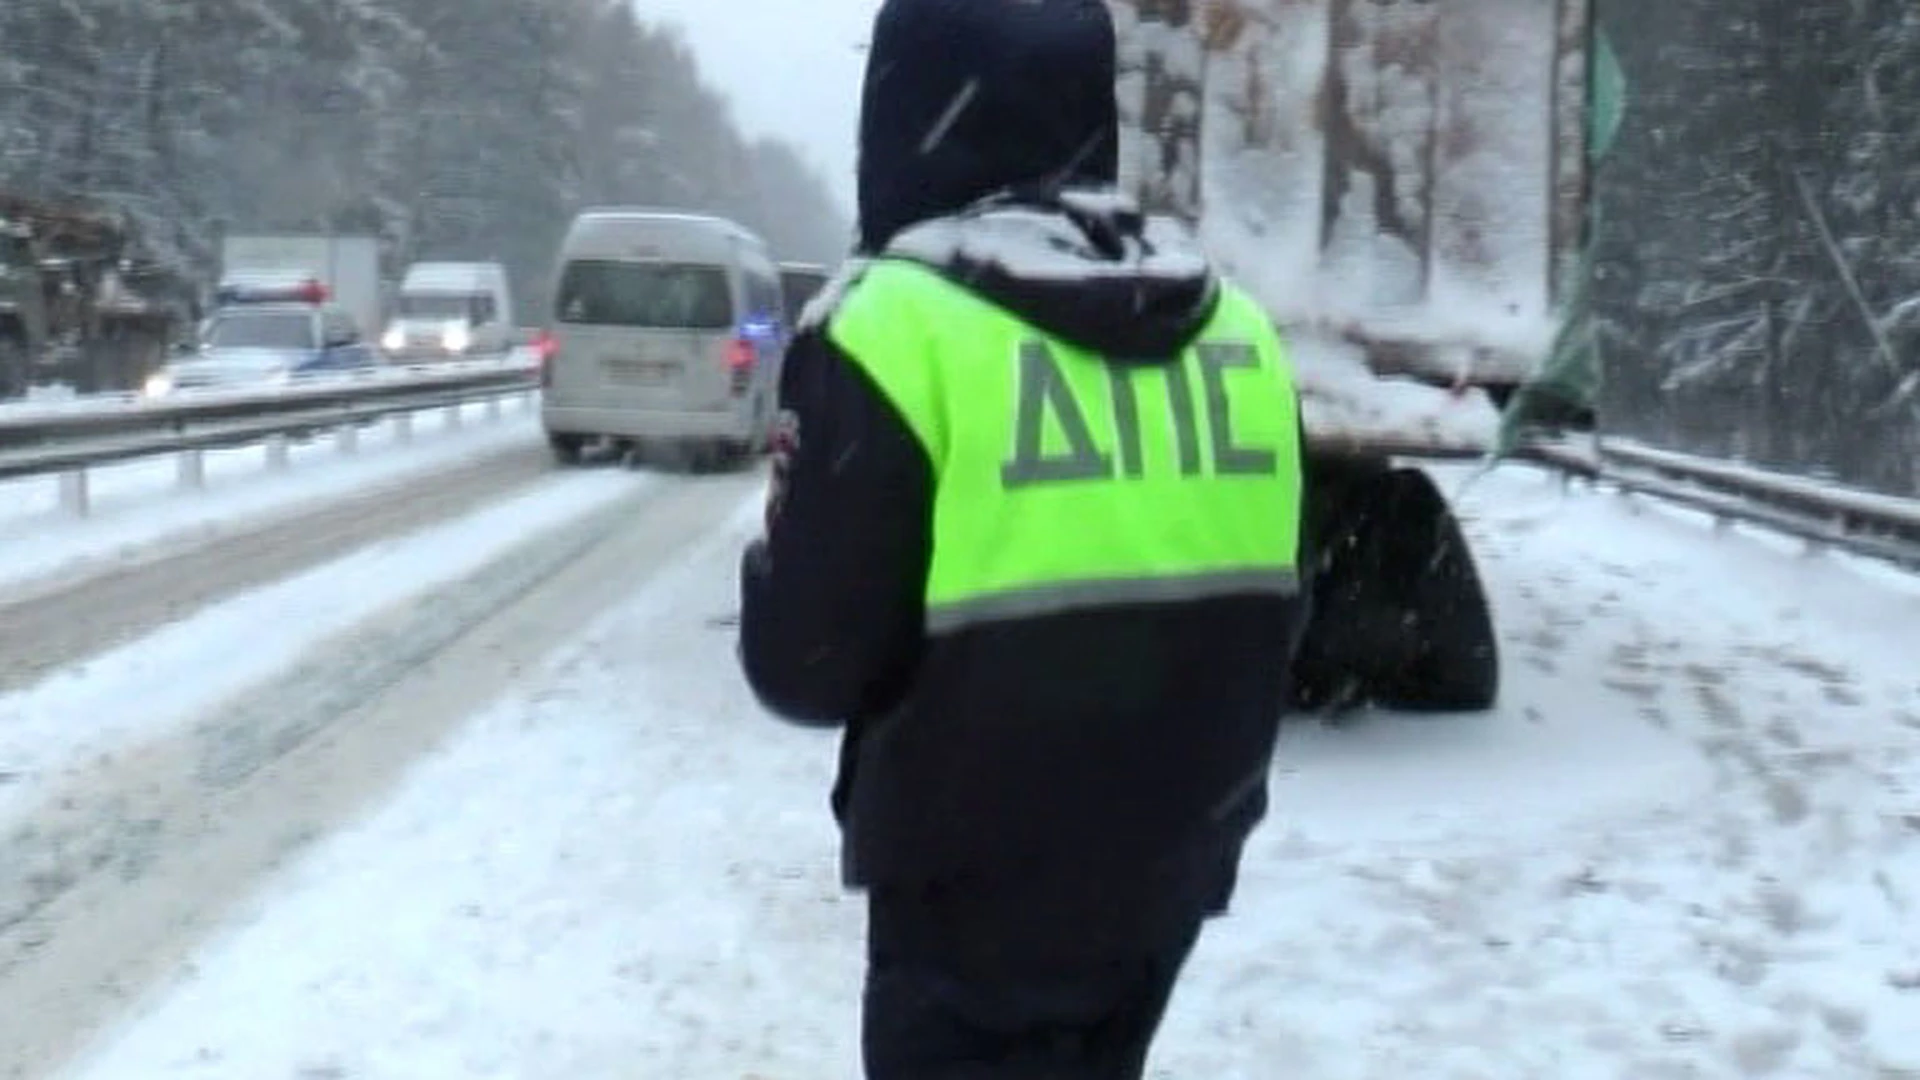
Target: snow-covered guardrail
column 68, row 438
column 1826, row 514
column 41, row 418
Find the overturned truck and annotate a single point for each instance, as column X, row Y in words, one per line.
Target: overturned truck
column 1402, row 185
column 82, row 303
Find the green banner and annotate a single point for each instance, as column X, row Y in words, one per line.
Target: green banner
column 1568, row 381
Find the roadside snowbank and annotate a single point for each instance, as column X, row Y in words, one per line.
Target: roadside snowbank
column 139, row 504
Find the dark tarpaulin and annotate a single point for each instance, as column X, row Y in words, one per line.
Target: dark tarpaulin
column 1568, row 382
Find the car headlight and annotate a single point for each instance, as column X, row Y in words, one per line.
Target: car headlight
column 394, row 339
column 159, row 384
column 456, row 339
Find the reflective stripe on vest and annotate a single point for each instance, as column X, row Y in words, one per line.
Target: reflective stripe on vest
column 1063, row 481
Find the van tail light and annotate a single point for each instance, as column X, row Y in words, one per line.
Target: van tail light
column 545, row 348
column 741, row 358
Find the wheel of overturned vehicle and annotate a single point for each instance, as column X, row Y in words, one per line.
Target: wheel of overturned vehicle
column 1400, row 617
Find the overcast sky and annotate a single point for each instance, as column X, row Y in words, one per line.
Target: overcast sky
column 791, row 67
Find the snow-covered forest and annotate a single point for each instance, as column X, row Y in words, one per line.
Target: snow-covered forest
column 1758, row 277
column 450, row 128
column 1412, row 171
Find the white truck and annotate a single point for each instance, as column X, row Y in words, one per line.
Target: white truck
column 451, row 311
column 1402, row 185
column 349, row 267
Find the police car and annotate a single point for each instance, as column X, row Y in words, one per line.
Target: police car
column 269, row 330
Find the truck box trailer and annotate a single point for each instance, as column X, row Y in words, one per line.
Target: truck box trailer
column 1403, row 186
column 349, row 266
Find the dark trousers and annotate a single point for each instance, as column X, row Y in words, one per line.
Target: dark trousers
column 974, row 994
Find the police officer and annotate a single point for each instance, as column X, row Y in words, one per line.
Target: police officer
column 1032, row 541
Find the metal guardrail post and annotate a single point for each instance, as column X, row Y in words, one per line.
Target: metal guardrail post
column 193, row 470
column 456, row 416
column 403, row 428
column 75, row 498
column 346, row 438
column 277, row 452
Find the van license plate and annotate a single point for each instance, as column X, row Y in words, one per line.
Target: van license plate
column 643, row 372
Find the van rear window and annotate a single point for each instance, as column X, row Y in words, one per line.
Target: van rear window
column 661, row 296
column 437, row 306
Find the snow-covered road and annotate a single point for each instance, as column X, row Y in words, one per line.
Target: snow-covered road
column 164, row 716
column 53, row 624
column 138, row 509
column 1687, row 845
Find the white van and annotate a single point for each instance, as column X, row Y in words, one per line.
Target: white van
column 451, row 311
column 667, row 330
column 800, row 283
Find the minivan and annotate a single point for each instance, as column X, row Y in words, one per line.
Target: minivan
column 451, row 311
column 800, row 283
column 667, row 331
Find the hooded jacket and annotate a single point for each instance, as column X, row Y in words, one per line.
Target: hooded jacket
column 1126, row 746
column 964, row 99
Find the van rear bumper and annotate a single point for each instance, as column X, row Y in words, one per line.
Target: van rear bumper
column 734, row 423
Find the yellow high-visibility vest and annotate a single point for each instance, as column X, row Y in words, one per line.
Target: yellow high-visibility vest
column 1064, row 480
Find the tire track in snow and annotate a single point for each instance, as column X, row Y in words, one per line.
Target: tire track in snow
column 158, row 846
column 44, row 632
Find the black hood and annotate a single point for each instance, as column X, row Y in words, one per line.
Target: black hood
column 965, row 98
column 1083, row 264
